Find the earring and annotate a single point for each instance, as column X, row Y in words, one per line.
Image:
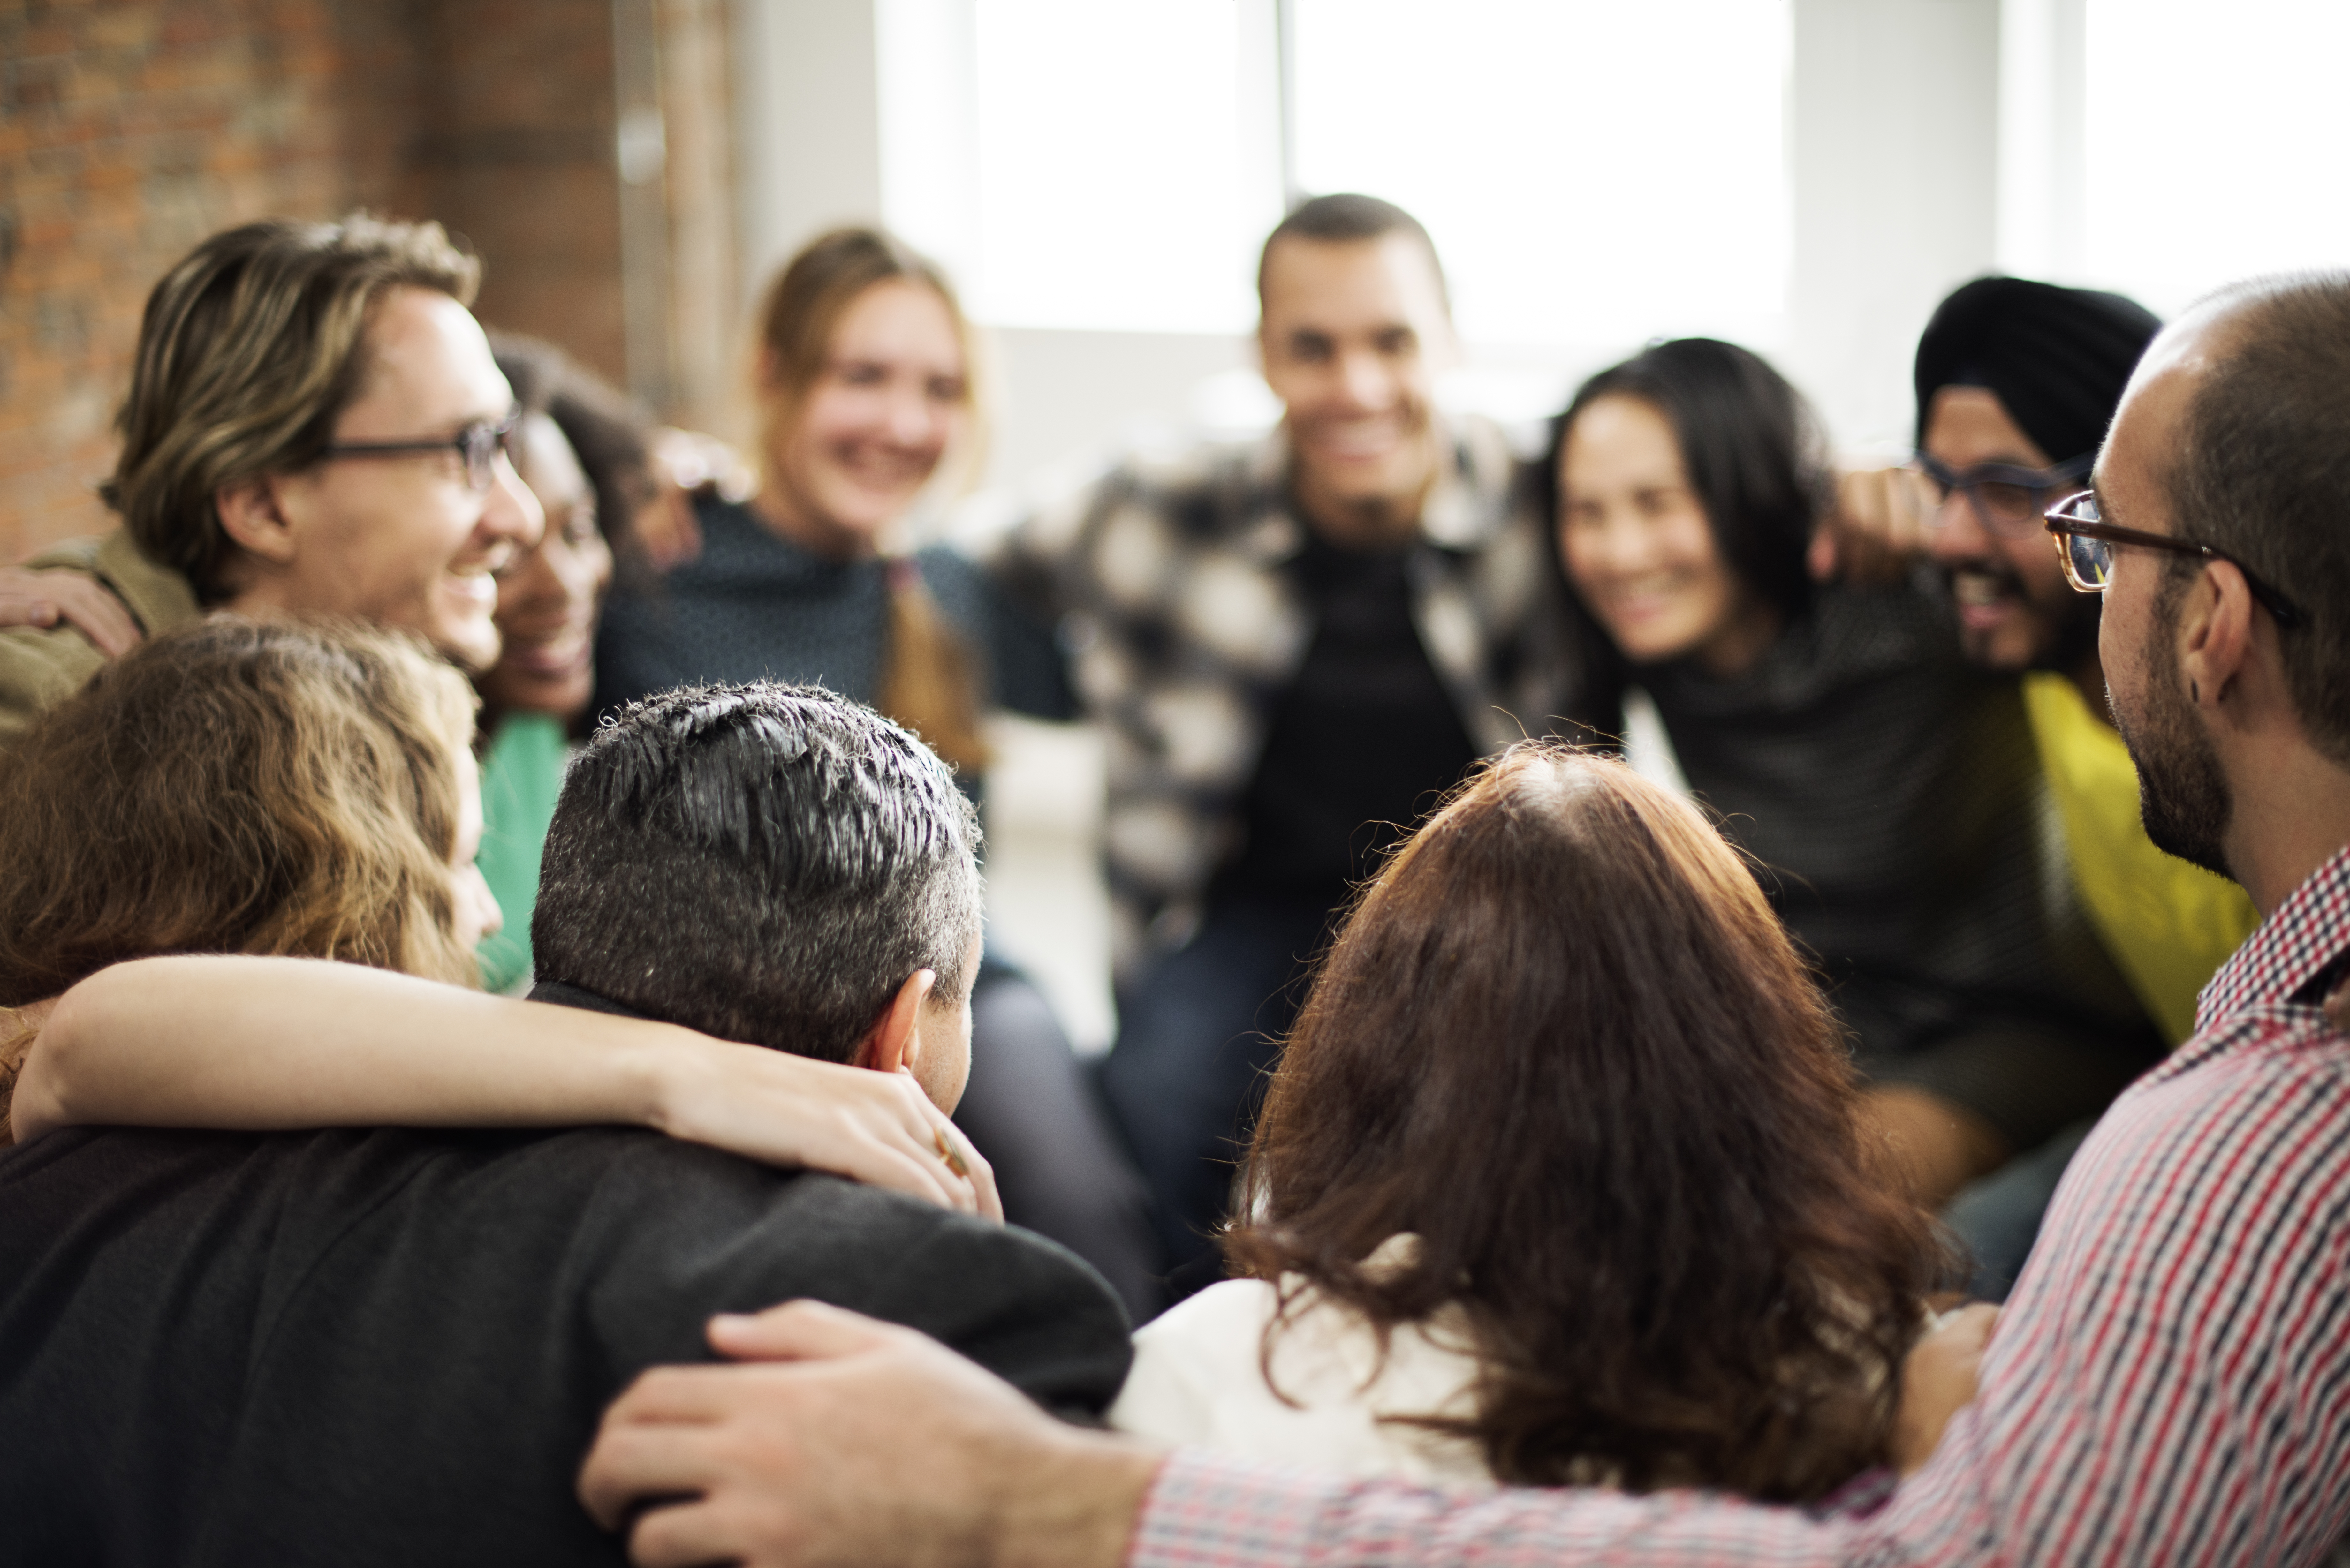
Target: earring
column 2194, row 692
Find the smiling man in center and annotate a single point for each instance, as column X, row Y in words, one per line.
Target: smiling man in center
column 1295, row 644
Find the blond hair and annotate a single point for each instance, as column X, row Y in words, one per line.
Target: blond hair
column 926, row 681
column 249, row 350
column 254, row 786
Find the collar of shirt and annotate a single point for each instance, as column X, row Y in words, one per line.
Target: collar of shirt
column 1467, row 505
column 2306, row 934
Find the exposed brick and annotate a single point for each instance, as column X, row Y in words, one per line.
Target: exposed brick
column 131, row 128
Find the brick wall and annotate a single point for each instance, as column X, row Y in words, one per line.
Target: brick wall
column 131, row 129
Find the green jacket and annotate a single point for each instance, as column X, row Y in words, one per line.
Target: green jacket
column 39, row 668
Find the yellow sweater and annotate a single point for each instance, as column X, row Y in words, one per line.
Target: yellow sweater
column 2168, row 924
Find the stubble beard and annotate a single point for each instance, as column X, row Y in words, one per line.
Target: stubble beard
column 2182, row 793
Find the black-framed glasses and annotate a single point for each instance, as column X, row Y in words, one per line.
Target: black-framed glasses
column 478, row 444
column 2008, row 499
column 2085, row 541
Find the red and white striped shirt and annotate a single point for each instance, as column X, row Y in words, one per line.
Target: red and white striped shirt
column 2169, row 1383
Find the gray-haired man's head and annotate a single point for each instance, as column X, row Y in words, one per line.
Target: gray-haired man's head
column 771, row 864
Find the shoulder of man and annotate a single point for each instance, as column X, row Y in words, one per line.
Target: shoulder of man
column 1203, row 486
column 42, row 666
column 381, row 1316
column 687, row 1231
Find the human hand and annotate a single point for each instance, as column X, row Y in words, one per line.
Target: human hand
column 44, row 598
column 1875, row 529
column 2337, row 1008
column 1940, row 1147
column 853, row 1441
column 686, row 463
column 1937, row 1380
column 781, row 1109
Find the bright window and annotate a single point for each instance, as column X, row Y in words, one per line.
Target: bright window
column 1592, row 173
column 1110, row 166
column 2217, row 139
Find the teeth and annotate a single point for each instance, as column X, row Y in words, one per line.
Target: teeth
column 1979, row 588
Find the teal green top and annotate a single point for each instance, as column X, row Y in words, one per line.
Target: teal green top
column 521, row 777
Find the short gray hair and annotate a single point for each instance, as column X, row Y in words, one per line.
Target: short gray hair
column 764, row 862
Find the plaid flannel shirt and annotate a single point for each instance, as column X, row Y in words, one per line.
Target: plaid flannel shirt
column 2170, row 1382
column 1167, row 578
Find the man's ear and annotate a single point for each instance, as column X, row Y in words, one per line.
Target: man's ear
column 2214, row 628
column 896, row 1041
column 253, row 518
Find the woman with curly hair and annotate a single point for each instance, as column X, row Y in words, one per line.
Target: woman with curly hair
column 1560, row 1179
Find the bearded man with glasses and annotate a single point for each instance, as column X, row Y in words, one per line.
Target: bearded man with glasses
column 315, row 422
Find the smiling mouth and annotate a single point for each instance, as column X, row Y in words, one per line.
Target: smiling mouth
column 1357, row 438
column 475, row 586
column 1644, row 597
column 560, row 654
column 883, row 470
column 1984, row 598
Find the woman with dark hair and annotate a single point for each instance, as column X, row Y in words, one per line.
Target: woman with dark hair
column 867, row 386
column 1890, row 792
column 1561, row 1180
column 581, row 449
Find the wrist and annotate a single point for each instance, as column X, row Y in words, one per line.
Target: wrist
column 665, row 1074
column 1069, row 1499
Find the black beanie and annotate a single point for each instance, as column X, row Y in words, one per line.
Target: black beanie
column 2057, row 359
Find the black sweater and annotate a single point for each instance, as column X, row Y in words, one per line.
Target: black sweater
column 393, row 1347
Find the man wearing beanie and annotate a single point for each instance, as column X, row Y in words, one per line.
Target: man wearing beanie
column 2017, row 382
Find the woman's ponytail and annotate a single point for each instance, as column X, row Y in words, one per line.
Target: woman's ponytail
column 926, row 672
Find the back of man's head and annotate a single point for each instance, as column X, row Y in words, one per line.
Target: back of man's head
column 764, row 862
column 2262, row 472
column 1346, row 219
column 249, row 349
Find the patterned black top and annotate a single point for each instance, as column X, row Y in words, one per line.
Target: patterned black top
column 754, row 605
column 1894, row 798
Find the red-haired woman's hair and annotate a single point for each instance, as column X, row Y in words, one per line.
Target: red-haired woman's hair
column 1565, row 1041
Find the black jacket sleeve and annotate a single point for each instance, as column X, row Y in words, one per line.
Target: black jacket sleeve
column 684, row 1233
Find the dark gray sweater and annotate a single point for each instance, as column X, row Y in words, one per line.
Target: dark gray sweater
column 393, row 1347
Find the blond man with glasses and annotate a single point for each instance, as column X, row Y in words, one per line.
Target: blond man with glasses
column 315, row 422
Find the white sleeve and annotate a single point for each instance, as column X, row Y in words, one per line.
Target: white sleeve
column 1183, row 1358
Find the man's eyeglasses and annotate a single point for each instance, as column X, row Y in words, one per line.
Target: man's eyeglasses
column 478, row 444
column 2085, row 541
column 2009, row 500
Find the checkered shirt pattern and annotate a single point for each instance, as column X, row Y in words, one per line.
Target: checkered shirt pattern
column 1168, row 577
column 2169, row 1383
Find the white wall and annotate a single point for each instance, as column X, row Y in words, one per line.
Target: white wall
column 1893, row 143
column 807, row 137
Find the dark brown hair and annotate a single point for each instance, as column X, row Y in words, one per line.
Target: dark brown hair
column 253, row 786
column 249, row 350
column 927, row 682
column 1563, row 1040
column 1345, row 218
column 2262, row 472
column 608, row 431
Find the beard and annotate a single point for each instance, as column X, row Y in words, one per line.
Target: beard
column 2182, row 794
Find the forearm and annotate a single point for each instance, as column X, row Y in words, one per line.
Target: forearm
column 2023, row 1082
column 263, row 1044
